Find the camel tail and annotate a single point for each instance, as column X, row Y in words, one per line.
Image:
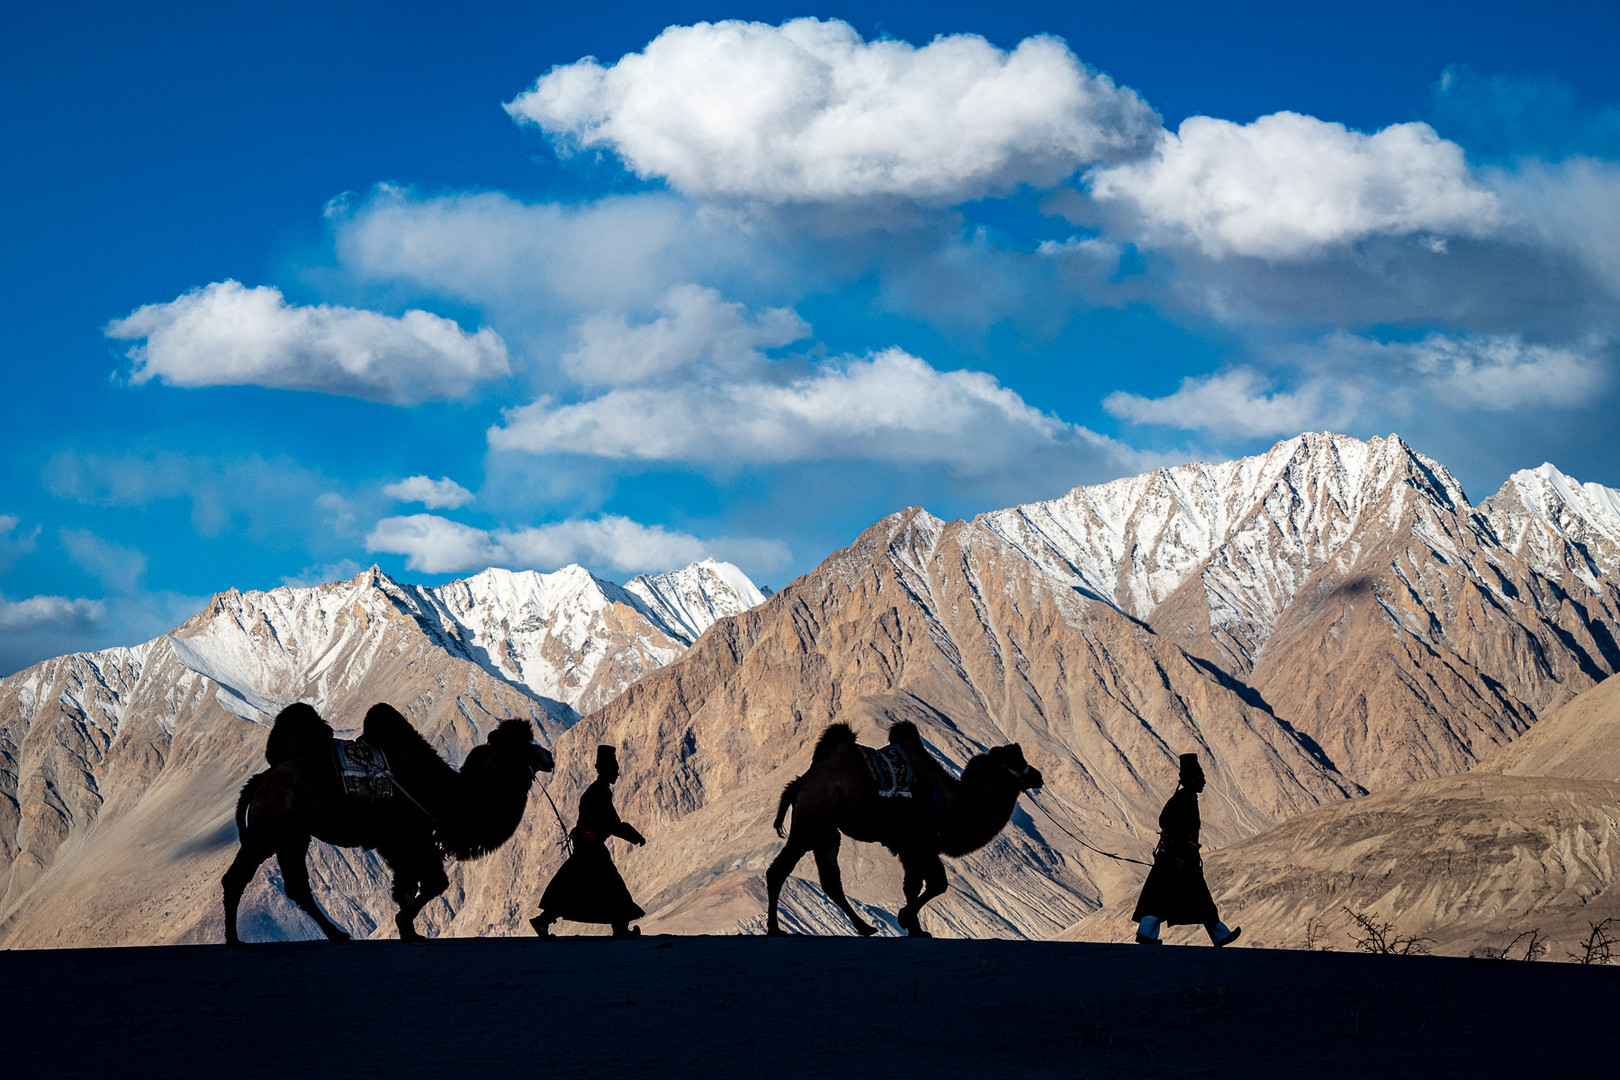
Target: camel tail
column 242, row 802
column 789, row 794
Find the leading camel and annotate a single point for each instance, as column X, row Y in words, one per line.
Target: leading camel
column 944, row 816
column 434, row 812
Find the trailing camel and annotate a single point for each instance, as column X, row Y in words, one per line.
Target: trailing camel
column 434, row 812
column 943, row 816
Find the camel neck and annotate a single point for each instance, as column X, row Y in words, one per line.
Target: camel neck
column 490, row 804
column 979, row 810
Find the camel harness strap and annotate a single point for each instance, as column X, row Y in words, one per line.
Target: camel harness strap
column 364, row 772
column 1111, row 854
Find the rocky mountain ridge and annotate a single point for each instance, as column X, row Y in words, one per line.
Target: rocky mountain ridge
column 89, row 741
column 1326, row 619
column 569, row 638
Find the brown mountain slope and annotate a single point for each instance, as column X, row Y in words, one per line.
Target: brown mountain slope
column 1326, row 618
column 1581, row 740
column 120, row 772
column 1353, row 587
column 1466, row 861
column 949, row 626
column 1529, row 840
column 1411, row 662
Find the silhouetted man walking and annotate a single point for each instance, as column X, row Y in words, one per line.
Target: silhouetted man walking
column 1175, row 891
column 588, row 888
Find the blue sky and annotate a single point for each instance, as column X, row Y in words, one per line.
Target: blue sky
column 298, row 288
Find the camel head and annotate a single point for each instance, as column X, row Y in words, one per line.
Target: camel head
column 1011, row 758
column 515, row 738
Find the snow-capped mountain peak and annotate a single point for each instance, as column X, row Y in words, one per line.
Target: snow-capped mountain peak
column 1252, row 530
column 568, row 637
column 1559, row 523
column 688, row 601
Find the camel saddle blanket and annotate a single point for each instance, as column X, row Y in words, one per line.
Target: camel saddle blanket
column 363, row 769
column 891, row 769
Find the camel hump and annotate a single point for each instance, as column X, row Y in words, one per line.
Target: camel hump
column 835, row 737
column 905, row 733
column 298, row 730
column 407, row 751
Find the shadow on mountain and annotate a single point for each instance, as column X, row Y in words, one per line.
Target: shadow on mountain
column 1252, row 698
column 202, row 844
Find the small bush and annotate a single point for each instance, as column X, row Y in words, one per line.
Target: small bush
column 1373, row 936
column 1535, row 946
column 1598, row 948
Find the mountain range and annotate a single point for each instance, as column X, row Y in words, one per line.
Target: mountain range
column 106, row 754
column 1330, row 625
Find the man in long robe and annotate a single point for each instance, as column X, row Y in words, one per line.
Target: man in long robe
column 1175, row 892
column 587, row 888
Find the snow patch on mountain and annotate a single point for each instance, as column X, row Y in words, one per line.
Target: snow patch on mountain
column 1558, row 523
column 569, row 638
column 688, row 601
column 1253, row 531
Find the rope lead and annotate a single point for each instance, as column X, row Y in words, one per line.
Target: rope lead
column 1112, row 855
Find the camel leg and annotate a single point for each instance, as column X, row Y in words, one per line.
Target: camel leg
column 404, row 893
column 295, row 879
column 423, row 881
column 777, row 876
column 832, row 882
column 248, row 858
column 914, row 877
column 932, row 873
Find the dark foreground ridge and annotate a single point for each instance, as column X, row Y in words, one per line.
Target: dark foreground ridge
column 728, row 1006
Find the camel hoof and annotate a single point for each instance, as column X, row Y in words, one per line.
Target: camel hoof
column 917, row 931
column 777, row 931
column 865, row 930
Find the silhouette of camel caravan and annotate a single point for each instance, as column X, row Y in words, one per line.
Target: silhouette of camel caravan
column 394, row 793
column 856, row 790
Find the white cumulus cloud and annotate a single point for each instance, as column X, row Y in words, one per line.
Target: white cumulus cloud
column 437, row 545
column 1500, row 372
column 1571, row 206
column 441, row 494
column 225, row 334
column 694, row 328
column 809, row 112
column 342, row 570
column 1238, row 403
column 492, row 250
column 15, row 541
column 117, row 567
column 1345, row 379
column 890, row 407
column 49, row 613
column 1289, row 186
column 434, row 544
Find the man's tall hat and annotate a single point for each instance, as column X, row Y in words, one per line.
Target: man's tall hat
column 1190, row 769
column 606, row 758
